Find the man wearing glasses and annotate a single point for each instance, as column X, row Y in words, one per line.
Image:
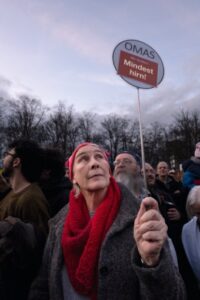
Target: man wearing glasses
column 127, row 171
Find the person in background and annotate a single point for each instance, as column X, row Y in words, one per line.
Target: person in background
column 128, row 172
column 191, row 231
column 175, row 189
column 100, row 246
column 175, row 174
column 166, row 203
column 168, row 178
column 163, row 198
column 54, row 184
column 168, row 209
column 23, row 220
column 191, row 168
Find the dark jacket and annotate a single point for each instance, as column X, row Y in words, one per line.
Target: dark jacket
column 23, row 231
column 120, row 273
column 56, row 192
column 174, row 189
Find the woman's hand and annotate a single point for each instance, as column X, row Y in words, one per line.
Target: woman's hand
column 150, row 231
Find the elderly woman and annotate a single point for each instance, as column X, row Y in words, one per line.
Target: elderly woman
column 94, row 251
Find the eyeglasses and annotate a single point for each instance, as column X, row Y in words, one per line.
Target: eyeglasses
column 8, row 153
column 125, row 161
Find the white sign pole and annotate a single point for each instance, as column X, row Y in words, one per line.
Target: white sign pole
column 141, row 139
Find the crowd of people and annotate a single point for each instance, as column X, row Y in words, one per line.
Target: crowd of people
column 80, row 229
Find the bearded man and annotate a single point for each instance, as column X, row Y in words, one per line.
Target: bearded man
column 127, row 171
column 23, row 220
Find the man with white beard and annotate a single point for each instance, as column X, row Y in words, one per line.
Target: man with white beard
column 128, row 172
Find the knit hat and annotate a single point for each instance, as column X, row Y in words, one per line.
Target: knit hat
column 133, row 154
column 70, row 162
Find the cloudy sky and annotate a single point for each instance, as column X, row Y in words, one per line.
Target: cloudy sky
column 62, row 50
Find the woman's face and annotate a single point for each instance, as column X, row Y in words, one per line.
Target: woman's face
column 91, row 169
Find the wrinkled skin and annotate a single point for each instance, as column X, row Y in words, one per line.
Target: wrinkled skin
column 150, row 231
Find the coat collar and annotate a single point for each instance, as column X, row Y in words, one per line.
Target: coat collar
column 126, row 215
column 127, row 211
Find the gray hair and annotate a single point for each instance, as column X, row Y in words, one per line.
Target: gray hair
column 193, row 198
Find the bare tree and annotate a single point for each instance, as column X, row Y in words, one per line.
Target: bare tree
column 25, row 118
column 87, row 126
column 62, row 129
column 114, row 130
column 184, row 133
column 134, row 141
column 155, row 138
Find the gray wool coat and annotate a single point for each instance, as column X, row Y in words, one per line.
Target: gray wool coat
column 121, row 275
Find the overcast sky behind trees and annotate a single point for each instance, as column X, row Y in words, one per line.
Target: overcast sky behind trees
column 62, row 50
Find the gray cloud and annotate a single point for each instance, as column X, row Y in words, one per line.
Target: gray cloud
column 5, row 85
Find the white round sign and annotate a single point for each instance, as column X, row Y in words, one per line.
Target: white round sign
column 138, row 64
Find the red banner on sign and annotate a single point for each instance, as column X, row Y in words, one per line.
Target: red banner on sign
column 138, row 68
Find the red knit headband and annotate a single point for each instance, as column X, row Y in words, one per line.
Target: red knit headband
column 70, row 161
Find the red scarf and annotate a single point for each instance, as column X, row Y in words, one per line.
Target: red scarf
column 82, row 238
